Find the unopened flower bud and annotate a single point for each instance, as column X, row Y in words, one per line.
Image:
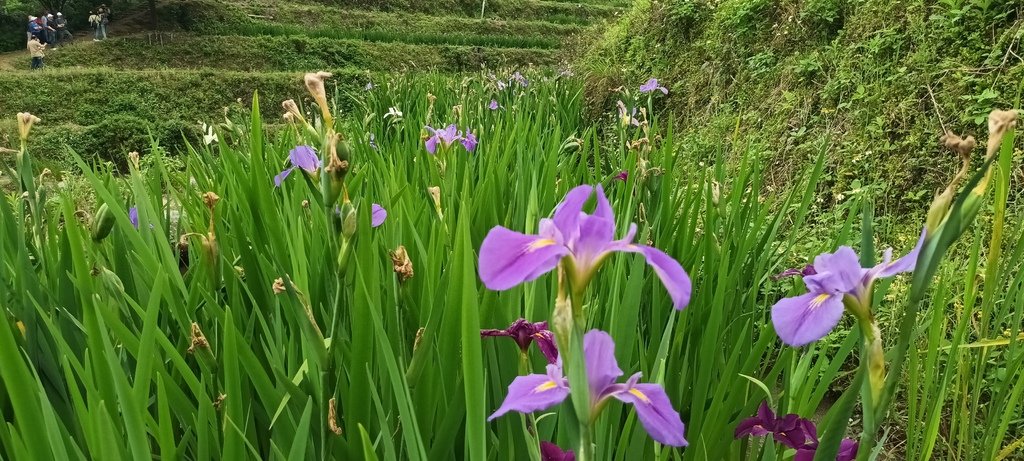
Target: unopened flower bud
column 349, row 223
column 333, row 183
column 102, row 223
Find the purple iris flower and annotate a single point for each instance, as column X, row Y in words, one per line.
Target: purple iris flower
column 445, row 136
column 377, row 215
column 551, row 452
column 803, row 272
column 622, row 176
column 493, row 105
column 133, row 216
column 791, row 431
column 524, row 333
column 653, row 85
column 300, row 157
column 625, row 117
column 509, row 258
column 469, row 141
column 803, row 319
column 538, row 392
column 518, row 78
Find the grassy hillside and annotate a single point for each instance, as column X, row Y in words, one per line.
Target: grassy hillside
column 873, row 83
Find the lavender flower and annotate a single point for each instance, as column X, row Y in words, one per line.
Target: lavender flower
column 493, row 105
column 509, row 258
column 803, row 319
column 377, row 215
column 653, row 85
column 445, row 136
column 538, row 392
column 469, row 141
column 524, row 333
column 133, row 216
column 552, row 452
column 518, row 78
column 300, row 157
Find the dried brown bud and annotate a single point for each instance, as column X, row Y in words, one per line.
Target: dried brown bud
column 962, row 146
column 198, row 339
column 315, row 85
column 435, row 195
column 332, row 417
column 291, row 109
column 457, row 111
column 219, row 401
column 419, row 337
column 133, row 159
column 210, row 199
column 402, row 264
column 279, row 286
column 305, row 204
column 999, row 122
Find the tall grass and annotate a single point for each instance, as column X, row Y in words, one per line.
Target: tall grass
column 137, row 345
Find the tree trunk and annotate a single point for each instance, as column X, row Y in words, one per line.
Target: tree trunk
column 152, row 12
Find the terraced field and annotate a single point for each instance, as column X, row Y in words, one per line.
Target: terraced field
column 105, row 99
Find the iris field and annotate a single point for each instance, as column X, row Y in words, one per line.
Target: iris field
column 371, row 284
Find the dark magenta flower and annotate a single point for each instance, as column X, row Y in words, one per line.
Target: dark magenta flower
column 791, row 431
column 377, row 215
column 445, row 137
column 493, row 105
column 584, row 241
column 552, row 452
column 539, row 392
column 300, row 157
column 803, row 319
column 468, row 141
column 622, row 176
column 652, row 85
column 133, row 216
column 524, row 333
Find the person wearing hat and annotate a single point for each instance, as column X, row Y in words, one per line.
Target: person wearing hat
column 63, row 34
column 37, row 49
column 48, row 31
column 96, row 23
column 33, row 27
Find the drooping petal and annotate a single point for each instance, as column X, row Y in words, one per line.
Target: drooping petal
column 133, row 216
column 546, row 343
column 431, row 144
column 532, row 393
column 654, row 409
column 759, row 425
column 552, row 452
column 806, row 318
column 649, row 86
column 905, row 264
column 602, row 367
column 837, row 273
column 789, row 431
column 567, row 213
column 304, row 157
column 377, row 215
column 508, row 258
column 671, row 273
column 279, row 179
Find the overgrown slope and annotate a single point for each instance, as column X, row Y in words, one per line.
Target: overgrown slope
column 872, row 82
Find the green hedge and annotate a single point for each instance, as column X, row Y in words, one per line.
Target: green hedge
column 265, row 53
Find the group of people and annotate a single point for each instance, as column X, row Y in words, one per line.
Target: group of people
column 52, row 30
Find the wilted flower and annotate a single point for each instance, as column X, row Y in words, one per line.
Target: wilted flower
column 524, row 333
column 552, row 452
column 508, row 258
column 402, row 264
column 315, row 85
column 291, row 108
column 652, row 85
column 25, row 122
column 300, row 157
column 493, row 105
column 538, row 392
column 803, row 319
column 332, row 417
column 377, row 215
column 626, row 118
column 278, row 286
column 622, row 176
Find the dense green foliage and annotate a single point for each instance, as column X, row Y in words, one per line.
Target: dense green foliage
column 874, row 83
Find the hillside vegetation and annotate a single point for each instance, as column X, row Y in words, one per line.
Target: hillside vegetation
column 873, row 83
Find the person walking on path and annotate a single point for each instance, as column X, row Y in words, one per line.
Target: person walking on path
column 63, row 33
column 96, row 22
column 37, row 50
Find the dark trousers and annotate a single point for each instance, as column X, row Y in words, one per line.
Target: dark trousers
column 37, row 63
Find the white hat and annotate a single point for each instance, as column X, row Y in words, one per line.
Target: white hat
column 59, row 14
column 49, row 15
column 32, row 18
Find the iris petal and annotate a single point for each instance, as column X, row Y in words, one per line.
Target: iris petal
column 279, row 179
column 671, row 273
column 304, row 157
column 567, row 213
column 532, row 393
column 377, row 215
column 508, row 258
column 654, row 409
column 806, row 318
column 602, row 367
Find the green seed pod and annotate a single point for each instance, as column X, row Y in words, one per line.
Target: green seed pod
column 102, row 223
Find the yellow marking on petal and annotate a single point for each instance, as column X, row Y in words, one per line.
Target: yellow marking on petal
column 538, row 244
column 545, row 387
column 640, row 395
column 819, row 300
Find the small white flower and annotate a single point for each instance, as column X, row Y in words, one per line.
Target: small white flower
column 393, row 112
